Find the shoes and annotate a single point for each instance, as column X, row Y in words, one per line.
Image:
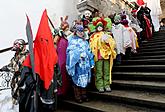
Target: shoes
column 78, row 100
column 85, row 98
column 118, row 63
column 108, row 89
column 101, row 90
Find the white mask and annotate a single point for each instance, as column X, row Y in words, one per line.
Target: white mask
column 100, row 28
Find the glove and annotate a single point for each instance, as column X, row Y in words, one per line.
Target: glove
column 104, row 38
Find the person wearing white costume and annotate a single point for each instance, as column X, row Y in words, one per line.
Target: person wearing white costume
column 122, row 38
column 156, row 11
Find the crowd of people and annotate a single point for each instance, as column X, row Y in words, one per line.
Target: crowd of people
column 89, row 48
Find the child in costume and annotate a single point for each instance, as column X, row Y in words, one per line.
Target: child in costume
column 132, row 35
column 102, row 46
column 117, row 30
column 79, row 63
column 86, row 19
column 122, row 38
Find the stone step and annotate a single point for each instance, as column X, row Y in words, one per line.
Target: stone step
column 151, row 46
column 139, row 68
column 147, row 57
column 150, row 53
column 162, row 33
column 144, row 62
column 157, row 39
column 97, row 105
column 152, row 49
column 154, row 40
column 138, row 76
column 65, row 110
column 153, row 43
column 139, row 85
column 158, row 36
column 140, row 98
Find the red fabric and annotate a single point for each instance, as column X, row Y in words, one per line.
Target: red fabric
column 140, row 2
column 134, row 11
column 148, row 33
column 126, row 25
column 45, row 55
column 100, row 20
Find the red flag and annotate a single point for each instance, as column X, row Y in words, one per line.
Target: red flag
column 45, row 56
column 140, row 2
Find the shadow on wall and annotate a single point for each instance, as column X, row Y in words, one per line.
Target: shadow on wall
column 162, row 2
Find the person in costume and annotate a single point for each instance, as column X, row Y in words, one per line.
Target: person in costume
column 135, row 24
column 15, row 66
column 102, row 46
column 156, row 11
column 86, row 20
column 79, row 63
column 61, row 42
column 42, row 90
column 117, row 30
column 133, row 37
column 143, row 15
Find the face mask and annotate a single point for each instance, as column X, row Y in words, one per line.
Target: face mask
column 80, row 34
column 99, row 28
column 16, row 46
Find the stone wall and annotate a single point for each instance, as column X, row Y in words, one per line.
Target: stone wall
column 107, row 7
column 163, row 8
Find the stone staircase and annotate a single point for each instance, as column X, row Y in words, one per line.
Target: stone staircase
column 138, row 83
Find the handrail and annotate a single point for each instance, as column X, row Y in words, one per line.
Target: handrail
column 127, row 3
column 5, row 80
column 7, row 49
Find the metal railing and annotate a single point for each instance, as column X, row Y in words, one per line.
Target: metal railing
column 6, row 76
column 127, row 3
column 5, row 80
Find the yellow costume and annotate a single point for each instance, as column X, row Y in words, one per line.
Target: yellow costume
column 105, row 47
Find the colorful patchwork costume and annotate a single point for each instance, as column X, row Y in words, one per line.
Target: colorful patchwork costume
column 79, row 63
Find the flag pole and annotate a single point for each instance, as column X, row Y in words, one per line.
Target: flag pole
column 30, row 43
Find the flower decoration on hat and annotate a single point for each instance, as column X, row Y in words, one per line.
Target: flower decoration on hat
column 100, row 22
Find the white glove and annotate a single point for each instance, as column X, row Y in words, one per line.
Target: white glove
column 104, row 38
